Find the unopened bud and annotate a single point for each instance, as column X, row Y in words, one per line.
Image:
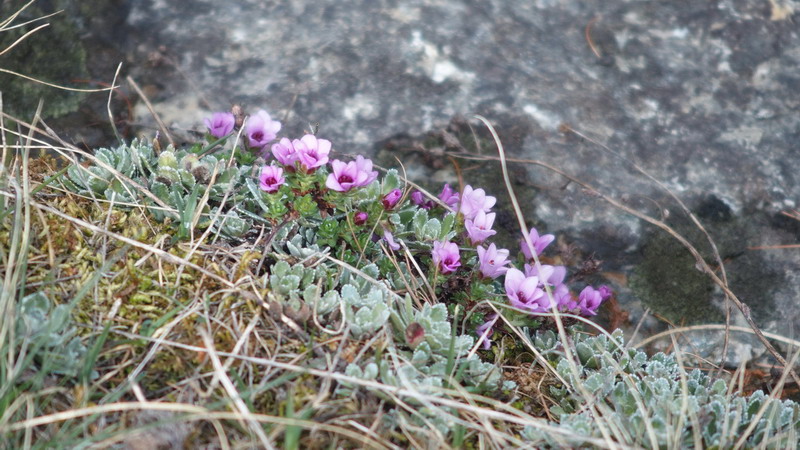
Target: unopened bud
column 360, row 218
column 390, row 200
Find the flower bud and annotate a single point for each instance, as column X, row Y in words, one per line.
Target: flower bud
column 360, row 218
column 390, row 200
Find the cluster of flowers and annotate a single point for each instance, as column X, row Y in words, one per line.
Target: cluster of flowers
column 306, row 154
column 259, row 131
column 525, row 289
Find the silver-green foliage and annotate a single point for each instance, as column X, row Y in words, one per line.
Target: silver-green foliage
column 366, row 312
column 365, row 305
column 439, row 361
column 100, row 179
column 297, row 285
column 655, row 398
column 177, row 178
column 45, row 332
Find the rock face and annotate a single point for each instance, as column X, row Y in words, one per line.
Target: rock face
column 703, row 95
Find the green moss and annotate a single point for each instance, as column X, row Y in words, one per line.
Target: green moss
column 670, row 285
column 668, row 282
column 54, row 54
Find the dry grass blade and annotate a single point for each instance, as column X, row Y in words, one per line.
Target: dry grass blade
column 53, row 85
column 22, row 38
column 245, row 413
column 152, row 110
column 108, row 105
column 773, row 395
column 715, row 327
column 193, row 413
column 5, row 24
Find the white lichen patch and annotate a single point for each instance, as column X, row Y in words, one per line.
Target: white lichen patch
column 360, row 106
column 744, row 135
column 435, row 64
column 184, row 114
column 546, row 119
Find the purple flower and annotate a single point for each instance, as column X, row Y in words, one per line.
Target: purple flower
column 220, row 124
column 312, row 152
column 485, row 342
column 480, row 228
column 446, row 257
column 589, row 300
column 360, row 218
column 539, row 243
column 552, row 275
column 605, row 292
column 418, row 199
column 285, row 153
column 563, row 298
column 449, row 196
column 261, row 129
column 346, row 176
column 524, row 292
column 492, row 261
column 271, row 178
column 389, row 238
column 474, row 200
column 390, row 200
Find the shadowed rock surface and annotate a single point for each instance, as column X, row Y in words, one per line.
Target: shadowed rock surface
column 702, row 95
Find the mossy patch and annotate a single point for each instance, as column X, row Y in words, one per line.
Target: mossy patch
column 669, row 283
column 53, row 54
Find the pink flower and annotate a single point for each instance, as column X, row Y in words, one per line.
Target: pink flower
column 261, row 129
column 480, row 228
column 449, row 196
column 389, row 238
column 390, row 200
column 563, row 298
column 312, row 152
column 474, row 200
column 346, row 176
column 220, row 124
column 605, row 292
column 285, row 153
column 524, row 292
column 552, row 275
column 418, row 199
column 485, row 342
column 360, row 218
column 446, row 256
column 271, row 178
column 492, row 261
column 539, row 243
column 589, row 300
